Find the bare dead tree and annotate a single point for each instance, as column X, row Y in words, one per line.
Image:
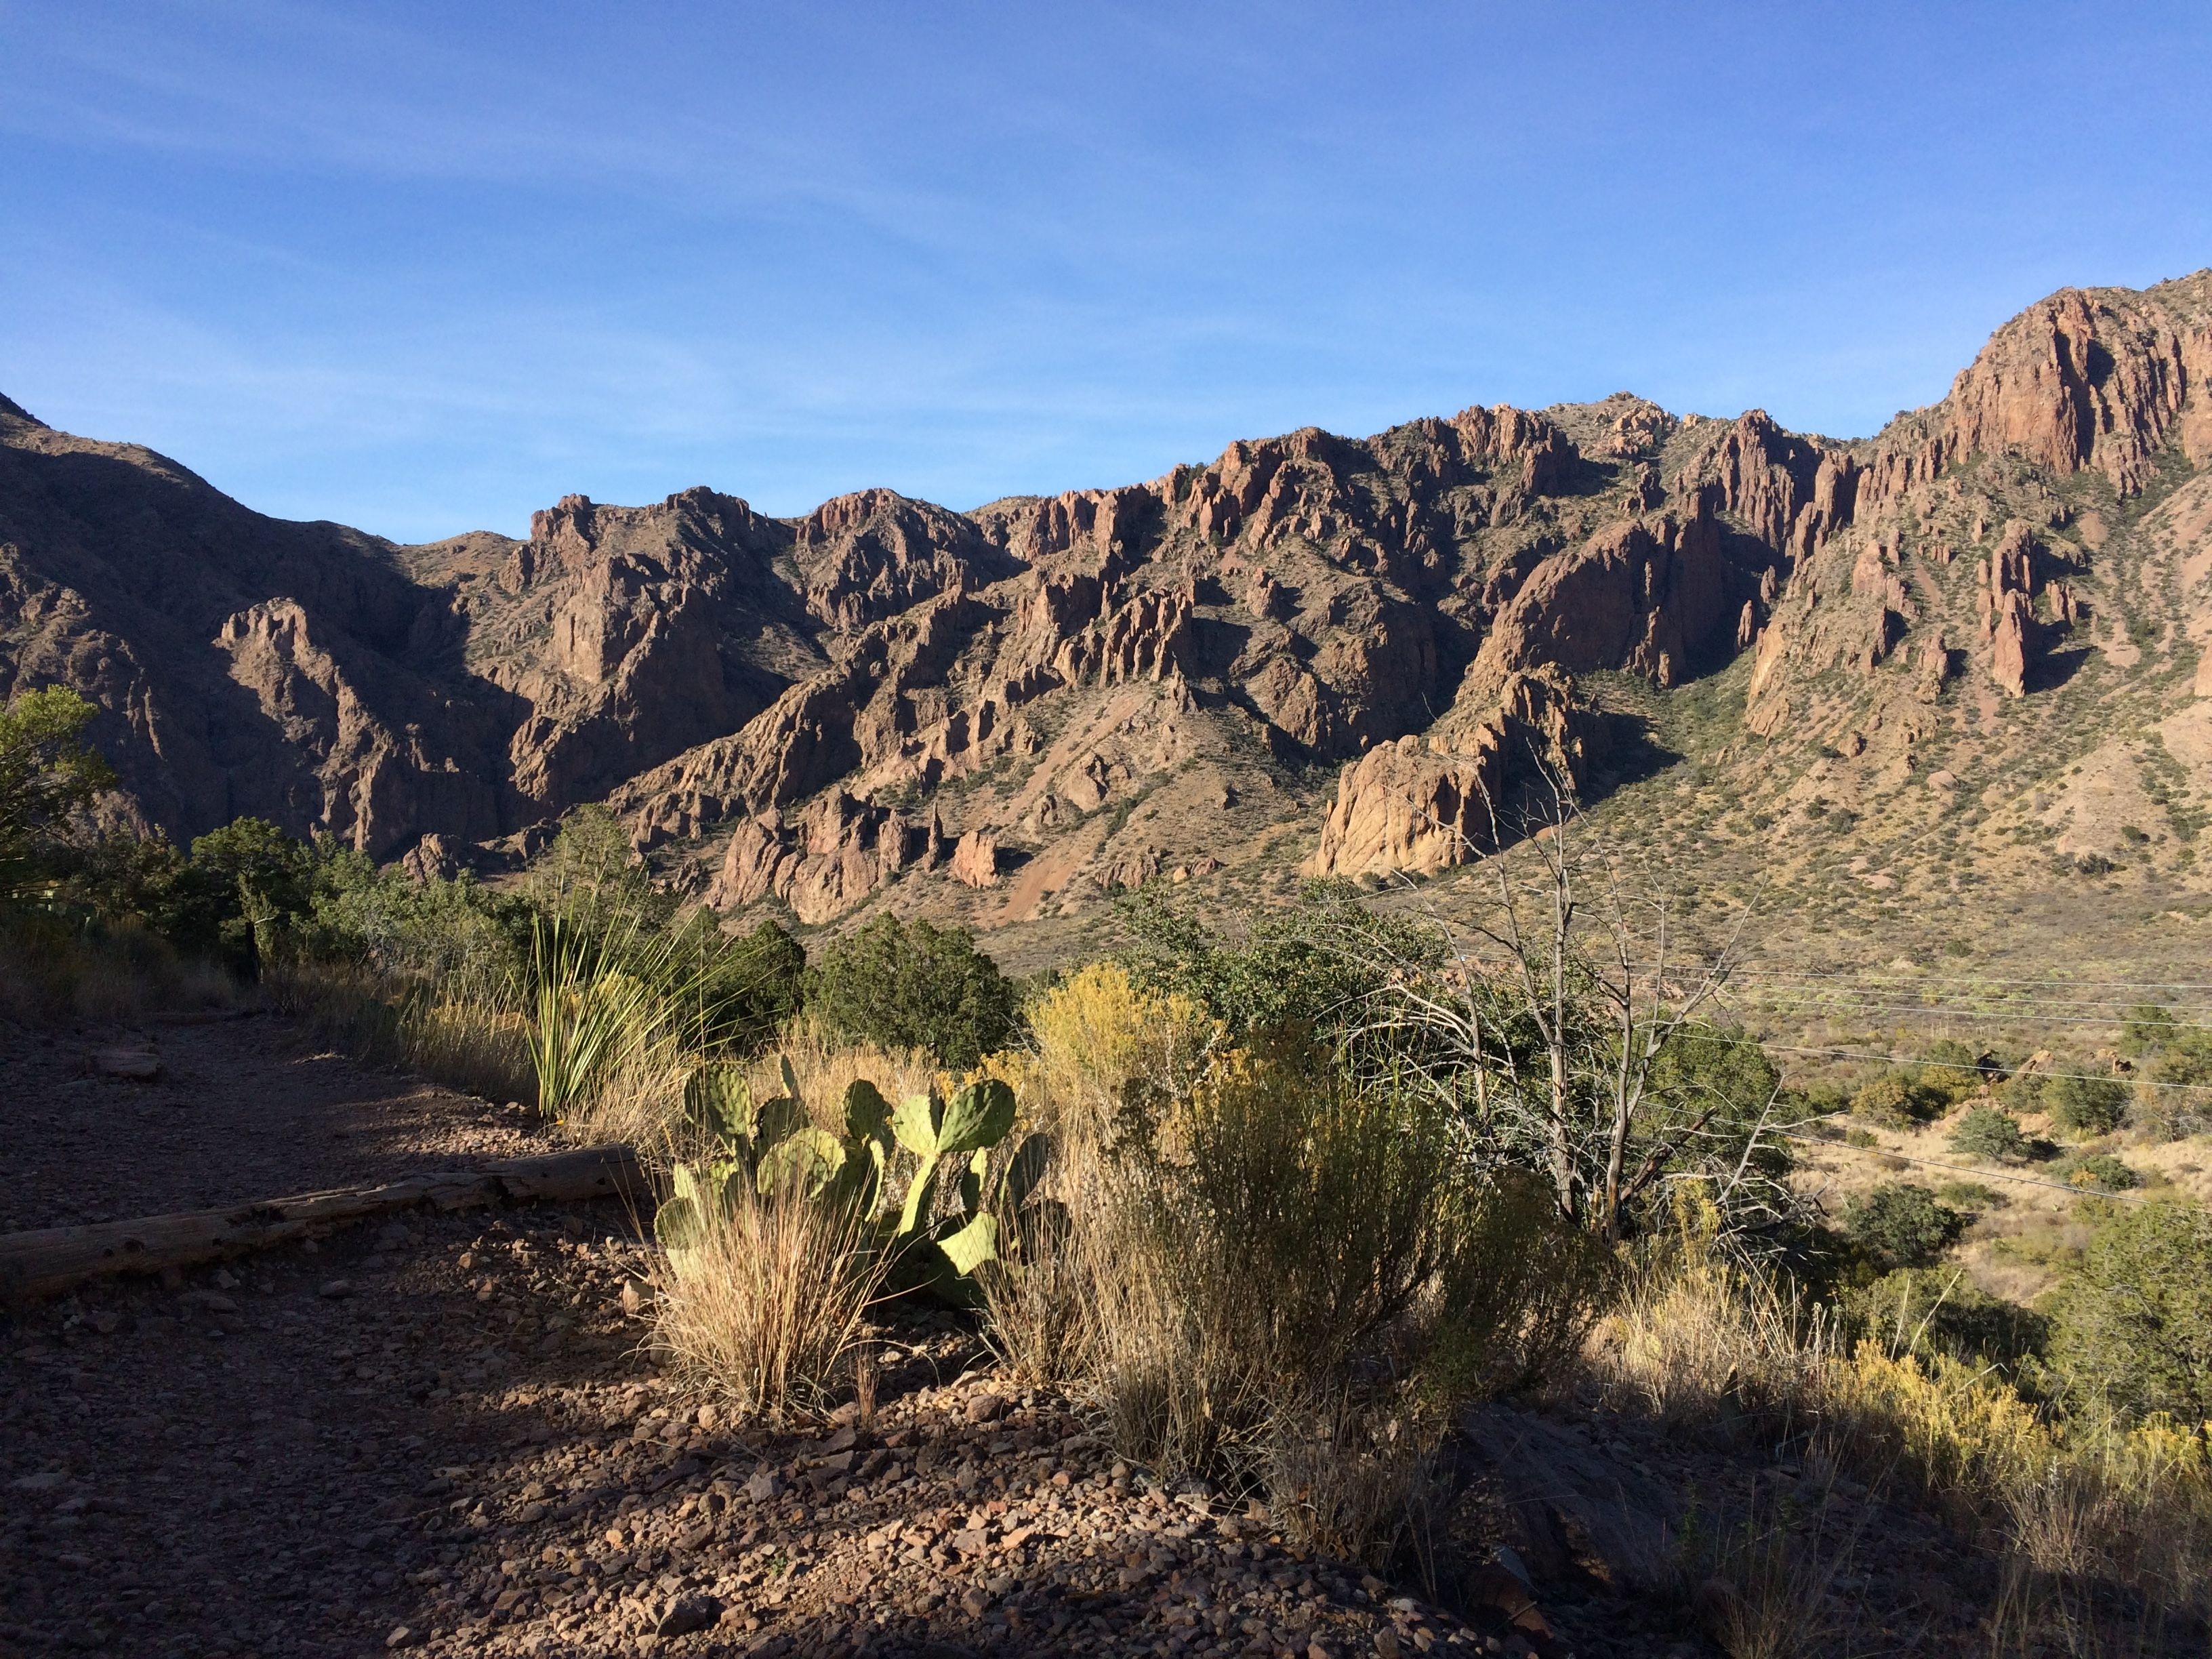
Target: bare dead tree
column 1561, row 998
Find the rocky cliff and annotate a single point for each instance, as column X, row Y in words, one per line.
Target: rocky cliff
column 1343, row 655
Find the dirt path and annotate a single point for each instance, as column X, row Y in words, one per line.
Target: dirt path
column 240, row 1109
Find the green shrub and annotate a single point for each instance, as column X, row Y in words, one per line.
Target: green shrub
column 1898, row 1224
column 1938, row 1310
column 1990, row 1132
column 2147, row 1029
column 909, row 985
column 2135, row 1325
column 2186, row 1061
column 2086, row 1105
column 1970, row 1195
column 2101, row 1172
column 1905, row 1099
column 1888, row 1102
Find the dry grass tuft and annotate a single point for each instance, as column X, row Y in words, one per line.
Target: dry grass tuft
column 1765, row 1595
column 767, row 1311
column 2080, row 1501
column 51, row 970
column 478, row 1045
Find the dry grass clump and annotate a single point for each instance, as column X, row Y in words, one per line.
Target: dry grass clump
column 1094, row 1039
column 1765, row 1593
column 766, row 1308
column 636, row 1098
column 51, row 969
column 2079, row 1499
column 1692, row 1338
column 1268, row 1274
column 479, row 1044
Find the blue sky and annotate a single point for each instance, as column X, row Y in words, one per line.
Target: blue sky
column 423, row 268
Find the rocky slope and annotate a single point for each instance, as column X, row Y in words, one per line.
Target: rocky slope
column 1315, row 653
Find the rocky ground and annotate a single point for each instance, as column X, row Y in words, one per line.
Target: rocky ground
column 446, row 1433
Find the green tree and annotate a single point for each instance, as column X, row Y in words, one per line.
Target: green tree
column 914, row 986
column 1313, row 966
column 46, row 775
column 1898, row 1224
column 2135, row 1325
column 751, row 986
column 243, row 888
column 1889, row 1102
column 593, row 878
column 2148, row 1028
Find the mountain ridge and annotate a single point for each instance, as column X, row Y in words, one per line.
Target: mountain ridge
column 1012, row 712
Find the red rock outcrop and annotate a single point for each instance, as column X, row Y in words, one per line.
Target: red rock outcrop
column 1425, row 803
column 974, row 860
column 2013, row 644
column 827, row 858
column 1654, row 598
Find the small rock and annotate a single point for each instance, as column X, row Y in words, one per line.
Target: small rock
column 334, row 1289
column 975, row 1604
column 765, row 1487
column 1510, row 1558
column 44, row 1481
column 1385, row 1643
column 708, row 1416
column 1318, row 1648
column 633, row 1297
column 690, row 1614
column 985, row 1408
column 404, row 1636
column 139, row 1065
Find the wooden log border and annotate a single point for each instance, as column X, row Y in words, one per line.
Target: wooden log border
column 51, row 1260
